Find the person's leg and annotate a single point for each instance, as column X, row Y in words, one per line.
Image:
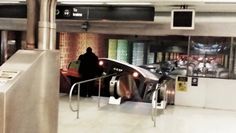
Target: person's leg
column 83, row 90
column 90, row 88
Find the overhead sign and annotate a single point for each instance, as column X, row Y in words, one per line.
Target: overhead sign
column 105, row 12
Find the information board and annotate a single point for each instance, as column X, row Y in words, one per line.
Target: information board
column 181, row 83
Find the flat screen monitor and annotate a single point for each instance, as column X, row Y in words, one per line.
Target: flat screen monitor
column 182, row 19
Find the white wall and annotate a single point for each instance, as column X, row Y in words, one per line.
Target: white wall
column 210, row 93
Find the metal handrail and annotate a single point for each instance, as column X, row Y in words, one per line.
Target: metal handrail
column 154, row 110
column 78, row 97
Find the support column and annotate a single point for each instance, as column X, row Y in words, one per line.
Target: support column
column 52, row 26
column 3, row 47
column 43, row 33
column 231, row 58
column 32, row 19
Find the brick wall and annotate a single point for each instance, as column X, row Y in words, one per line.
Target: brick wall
column 72, row 45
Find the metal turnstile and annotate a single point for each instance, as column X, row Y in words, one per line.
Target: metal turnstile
column 29, row 92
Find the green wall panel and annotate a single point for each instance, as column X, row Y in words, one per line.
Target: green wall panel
column 122, row 50
column 138, row 53
column 112, row 48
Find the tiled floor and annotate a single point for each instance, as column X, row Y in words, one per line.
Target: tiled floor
column 131, row 117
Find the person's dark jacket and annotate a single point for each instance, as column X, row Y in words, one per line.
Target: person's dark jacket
column 88, row 65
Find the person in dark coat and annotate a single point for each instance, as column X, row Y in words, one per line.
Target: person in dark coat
column 88, row 69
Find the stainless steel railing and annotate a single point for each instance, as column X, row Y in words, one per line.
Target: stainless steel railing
column 78, row 97
column 156, row 105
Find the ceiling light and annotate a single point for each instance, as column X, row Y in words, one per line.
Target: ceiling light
column 128, row 3
column 220, row 2
column 9, row 2
column 81, row 3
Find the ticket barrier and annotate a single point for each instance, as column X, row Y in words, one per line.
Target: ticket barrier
column 29, row 93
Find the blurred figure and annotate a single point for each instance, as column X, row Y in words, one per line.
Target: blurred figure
column 88, row 69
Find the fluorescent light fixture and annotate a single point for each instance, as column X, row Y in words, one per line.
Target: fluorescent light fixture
column 103, row 3
column 128, row 3
column 220, row 2
column 81, row 3
column 9, row 2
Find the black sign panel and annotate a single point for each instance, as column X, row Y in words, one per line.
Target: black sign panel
column 184, row 79
column 70, row 12
column 13, row 11
column 87, row 12
column 117, row 13
column 194, row 81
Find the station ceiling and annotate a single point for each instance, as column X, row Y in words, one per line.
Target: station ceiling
column 160, row 5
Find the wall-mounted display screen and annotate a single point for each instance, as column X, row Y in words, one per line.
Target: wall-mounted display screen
column 182, row 19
